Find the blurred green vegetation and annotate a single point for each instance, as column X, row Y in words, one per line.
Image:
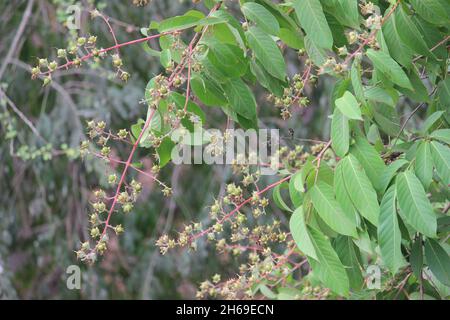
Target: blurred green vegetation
column 45, row 188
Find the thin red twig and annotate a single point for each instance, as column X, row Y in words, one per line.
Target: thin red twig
column 124, row 172
column 117, row 46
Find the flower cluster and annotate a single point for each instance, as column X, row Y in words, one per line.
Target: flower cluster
column 240, row 227
column 125, row 196
column 293, row 94
column 141, row 3
column 79, row 50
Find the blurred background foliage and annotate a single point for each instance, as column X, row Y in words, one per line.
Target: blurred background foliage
column 45, row 188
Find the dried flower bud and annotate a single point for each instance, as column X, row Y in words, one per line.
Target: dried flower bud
column 112, row 178
column 81, row 41
column 62, row 53
column 95, row 232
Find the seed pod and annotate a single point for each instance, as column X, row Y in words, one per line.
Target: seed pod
column 62, row 53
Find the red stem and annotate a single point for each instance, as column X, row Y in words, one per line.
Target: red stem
column 124, row 172
column 117, row 46
column 111, row 30
column 231, row 213
column 373, row 33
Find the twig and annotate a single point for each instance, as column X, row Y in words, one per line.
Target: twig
column 262, row 191
column 20, row 30
column 111, row 30
column 124, row 172
column 434, row 47
column 402, row 285
column 22, row 116
column 406, row 122
column 117, row 46
column 319, row 159
column 371, row 35
column 409, row 118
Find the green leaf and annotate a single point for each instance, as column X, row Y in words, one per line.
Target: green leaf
column 317, row 54
column 188, row 20
column 415, row 205
column 330, row 211
column 342, row 195
column 438, row 260
column 356, row 80
column 420, row 296
column 230, row 32
column 431, row 10
column 364, row 242
column 291, row 38
column 278, row 199
column 288, row 294
column 267, row 52
column 178, row 23
column 409, row 33
column 240, row 97
column 165, row 58
column 165, row 151
column 229, row 59
column 274, row 85
column 379, row 95
column 300, row 233
column 180, row 101
column 416, row 257
column 261, row 17
column 207, row 91
column 348, row 105
column 328, row 267
column 420, row 93
column 155, row 126
column 348, row 254
column 325, row 174
column 267, row 292
column 443, row 94
column 441, row 135
column 340, row 87
column 397, row 49
column 371, row 161
column 431, row 121
column 340, row 133
column 387, row 118
column 389, row 237
column 424, row 164
column 360, row 189
column 441, row 159
column 305, row 172
column 209, row 21
column 443, row 290
column 345, row 11
column 389, row 172
column 313, row 21
column 385, row 64
column 297, row 180
column 295, row 189
column 167, row 43
column 212, row 71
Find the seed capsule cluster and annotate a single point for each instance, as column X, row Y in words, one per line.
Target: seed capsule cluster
column 141, row 3
column 99, row 145
column 78, row 51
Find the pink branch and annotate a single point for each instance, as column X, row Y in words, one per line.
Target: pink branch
column 117, row 46
column 122, row 178
column 231, row 213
